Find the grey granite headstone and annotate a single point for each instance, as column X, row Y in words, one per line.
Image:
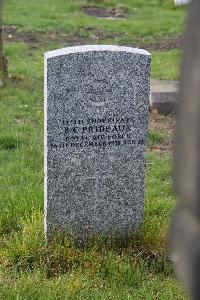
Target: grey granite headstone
column 96, row 119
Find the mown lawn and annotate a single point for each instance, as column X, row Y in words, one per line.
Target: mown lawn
column 145, row 18
column 137, row 268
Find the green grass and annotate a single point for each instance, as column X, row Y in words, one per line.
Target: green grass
column 30, row 269
column 155, row 137
column 25, row 62
column 166, row 65
column 147, row 22
column 145, row 18
column 136, row 268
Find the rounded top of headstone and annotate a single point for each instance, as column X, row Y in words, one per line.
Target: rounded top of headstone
column 93, row 48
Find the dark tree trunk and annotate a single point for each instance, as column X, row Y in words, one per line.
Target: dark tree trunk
column 185, row 228
column 3, row 60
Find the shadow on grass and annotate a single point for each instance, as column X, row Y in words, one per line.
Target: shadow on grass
column 9, row 142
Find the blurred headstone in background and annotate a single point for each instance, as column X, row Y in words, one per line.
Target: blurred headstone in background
column 164, row 96
column 182, row 2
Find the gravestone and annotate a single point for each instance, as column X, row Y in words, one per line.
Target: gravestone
column 96, row 119
column 164, row 95
column 181, row 2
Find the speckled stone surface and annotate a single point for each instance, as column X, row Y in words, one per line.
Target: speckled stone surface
column 96, row 119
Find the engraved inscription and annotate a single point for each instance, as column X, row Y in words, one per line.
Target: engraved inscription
column 97, row 132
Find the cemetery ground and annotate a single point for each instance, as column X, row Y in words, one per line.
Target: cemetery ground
column 138, row 267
